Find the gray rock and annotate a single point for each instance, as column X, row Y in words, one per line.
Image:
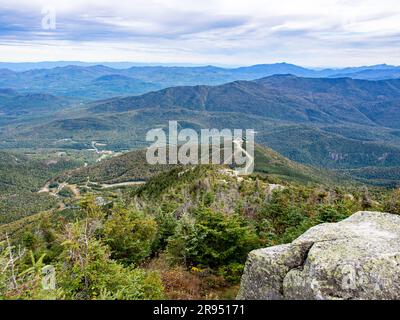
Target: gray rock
column 357, row 258
column 100, row 201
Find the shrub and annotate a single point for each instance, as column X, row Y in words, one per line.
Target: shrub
column 215, row 239
column 66, row 192
column 166, row 226
column 87, row 272
column 130, row 234
column 232, row 272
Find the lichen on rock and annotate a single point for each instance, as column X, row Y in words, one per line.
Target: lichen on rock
column 357, row 258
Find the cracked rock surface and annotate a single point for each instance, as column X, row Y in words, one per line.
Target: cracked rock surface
column 357, row 258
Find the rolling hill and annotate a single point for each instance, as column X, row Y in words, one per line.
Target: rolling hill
column 86, row 81
column 21, row 177
column 14, row 103
column 338, row 123
column 132, row 166
column 283, row 97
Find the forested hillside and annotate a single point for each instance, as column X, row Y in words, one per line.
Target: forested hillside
column 21, row 177
column 185, row 234
column 283, row 97
column 132, row 166
column 75, row 196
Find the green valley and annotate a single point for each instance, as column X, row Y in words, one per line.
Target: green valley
column 78, row 194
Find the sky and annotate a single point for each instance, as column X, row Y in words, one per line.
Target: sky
column 311, row 33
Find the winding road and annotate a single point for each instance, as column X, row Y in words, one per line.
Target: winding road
column 121, row 184
column 249, row 164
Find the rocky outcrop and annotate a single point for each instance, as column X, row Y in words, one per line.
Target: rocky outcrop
column 357, row 258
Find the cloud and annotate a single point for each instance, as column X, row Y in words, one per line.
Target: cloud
column 310, row 32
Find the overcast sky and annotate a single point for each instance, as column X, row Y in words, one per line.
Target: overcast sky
column 324, row 33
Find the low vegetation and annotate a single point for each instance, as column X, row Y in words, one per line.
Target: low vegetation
column 185, row 239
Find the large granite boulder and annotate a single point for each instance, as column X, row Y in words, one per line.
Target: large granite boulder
column 357, row 258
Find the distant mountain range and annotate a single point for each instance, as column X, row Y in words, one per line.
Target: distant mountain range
column 283, row 97
column 25, row 66
column 322, row 118
column 14, row 105
column 337, row 123
column 100, row 81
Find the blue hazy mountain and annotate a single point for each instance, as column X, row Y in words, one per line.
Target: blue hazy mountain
column 86, row 81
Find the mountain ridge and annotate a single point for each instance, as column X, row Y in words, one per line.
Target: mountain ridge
column 284, row 97
column 75, row 80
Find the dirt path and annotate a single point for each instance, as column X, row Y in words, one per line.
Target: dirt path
column 122, row 184
column 61, row 206
column 95, row 148
column 249, row 164
column 46, row 189
column 75, row 190
column 239, row 149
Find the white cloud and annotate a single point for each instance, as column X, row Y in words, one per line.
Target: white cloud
column 307, row 32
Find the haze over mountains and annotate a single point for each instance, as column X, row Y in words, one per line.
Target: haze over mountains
column 326, row 118
column 336, row 123
column 283, row 97
column 14, row 103
column 109, row 189
column 99, row 81
column 73, row 139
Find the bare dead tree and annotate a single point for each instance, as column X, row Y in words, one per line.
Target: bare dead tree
column 11, row 264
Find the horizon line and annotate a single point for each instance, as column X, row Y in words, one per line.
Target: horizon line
column 177, row 64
